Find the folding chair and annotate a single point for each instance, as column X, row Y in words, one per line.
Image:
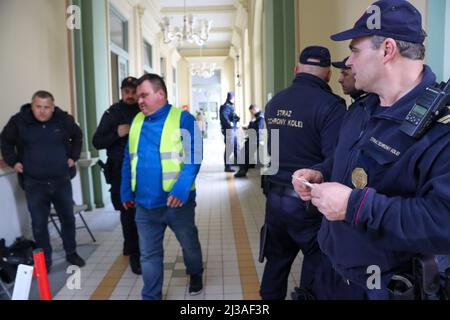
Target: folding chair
column 6, row 288
column 77, row 209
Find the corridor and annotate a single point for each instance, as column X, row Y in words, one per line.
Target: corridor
column 229, row 215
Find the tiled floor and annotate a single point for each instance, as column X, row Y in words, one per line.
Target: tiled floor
column 230, row 252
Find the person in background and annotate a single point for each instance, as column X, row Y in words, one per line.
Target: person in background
column 112, row 135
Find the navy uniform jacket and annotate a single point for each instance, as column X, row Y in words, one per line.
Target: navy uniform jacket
column 257, row 124
column 228, row 118
column 106, row 136
column 308, row 116
column 405, row 207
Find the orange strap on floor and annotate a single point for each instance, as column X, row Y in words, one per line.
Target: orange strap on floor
column 40, row 271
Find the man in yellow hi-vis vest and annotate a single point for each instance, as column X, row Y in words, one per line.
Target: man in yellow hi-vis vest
column 161, row 162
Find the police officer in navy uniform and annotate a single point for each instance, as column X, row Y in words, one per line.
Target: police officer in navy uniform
column 347, row 80
column 228, row 123
column 308, row 116
column 386, row 195
column 112, row 135
column 251, row 145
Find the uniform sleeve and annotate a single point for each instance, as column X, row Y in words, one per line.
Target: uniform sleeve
column 225, row 115
column 415, row 224
column 329, row 133
column 193, row 148
column 76, row 140
column 126, row 193
column 9, row 141
column 106, row 133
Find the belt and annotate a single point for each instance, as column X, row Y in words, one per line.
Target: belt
column 283, row 190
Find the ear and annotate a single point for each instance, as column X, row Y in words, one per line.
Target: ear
column 296, row 69
column 390, row 49
column 328, row 77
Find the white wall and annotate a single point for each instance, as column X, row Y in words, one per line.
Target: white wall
column 34, row 53
column 318, row 20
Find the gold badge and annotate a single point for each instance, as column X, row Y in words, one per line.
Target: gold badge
column 359, row 178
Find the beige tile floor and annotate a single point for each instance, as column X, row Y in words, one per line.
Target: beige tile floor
column 224, row 278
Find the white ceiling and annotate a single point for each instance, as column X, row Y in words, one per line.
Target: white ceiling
column 221, row 12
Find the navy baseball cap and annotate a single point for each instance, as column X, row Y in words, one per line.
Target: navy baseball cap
column 319, row 55
column 230, row 95
column 129, row 82
column 399, row 20
column 341, row 64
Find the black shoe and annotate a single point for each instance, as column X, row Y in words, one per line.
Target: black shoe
column 75, row 260
column 195, row 284
column 228, row 169
column 135, row 265
column 241, row 173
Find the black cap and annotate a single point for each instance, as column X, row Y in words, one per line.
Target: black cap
column 320, row 55
column 341, row 64
column 129, row 82
column 398, row 19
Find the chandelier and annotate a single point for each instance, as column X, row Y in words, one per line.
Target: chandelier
column 191, row 31
column 204, row 70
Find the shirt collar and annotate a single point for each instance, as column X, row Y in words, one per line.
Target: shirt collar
column 400, row 109
column 306, row 78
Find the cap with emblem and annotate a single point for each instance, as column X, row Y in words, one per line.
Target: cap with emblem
column 316, row 56
column 398, row 19
column 129, row 82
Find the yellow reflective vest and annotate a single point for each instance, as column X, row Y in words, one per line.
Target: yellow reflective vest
column 171, row 149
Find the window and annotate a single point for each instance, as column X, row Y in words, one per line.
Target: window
column 119, row 50
column 148, row 57
column 118, row 29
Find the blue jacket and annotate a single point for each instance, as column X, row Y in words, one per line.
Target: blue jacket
column 308, row 116
column 405, row 207
column 149, row 191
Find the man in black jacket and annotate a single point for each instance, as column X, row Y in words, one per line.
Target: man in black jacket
column 112, row 135
column 42, row 143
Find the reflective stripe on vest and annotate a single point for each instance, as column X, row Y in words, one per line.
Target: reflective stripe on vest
column 171, row 149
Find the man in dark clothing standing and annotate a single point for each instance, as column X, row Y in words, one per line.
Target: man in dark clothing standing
column 42, row 143
column 112, row 135
column 228, row 123
column 253, row 140
column 307, row 116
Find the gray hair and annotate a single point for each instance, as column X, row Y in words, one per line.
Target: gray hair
column 410, row 50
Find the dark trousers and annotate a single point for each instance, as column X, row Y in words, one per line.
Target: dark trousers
column 249, row 155
column 230, row 140
column 129, row 229
column 40, row 195
column 290, row 229
column 127, row 217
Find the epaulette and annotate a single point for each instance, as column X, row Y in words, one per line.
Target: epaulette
column 445, row 119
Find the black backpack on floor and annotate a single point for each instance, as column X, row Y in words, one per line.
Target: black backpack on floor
column 20, row 252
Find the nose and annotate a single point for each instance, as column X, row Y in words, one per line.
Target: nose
column 349, row 62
